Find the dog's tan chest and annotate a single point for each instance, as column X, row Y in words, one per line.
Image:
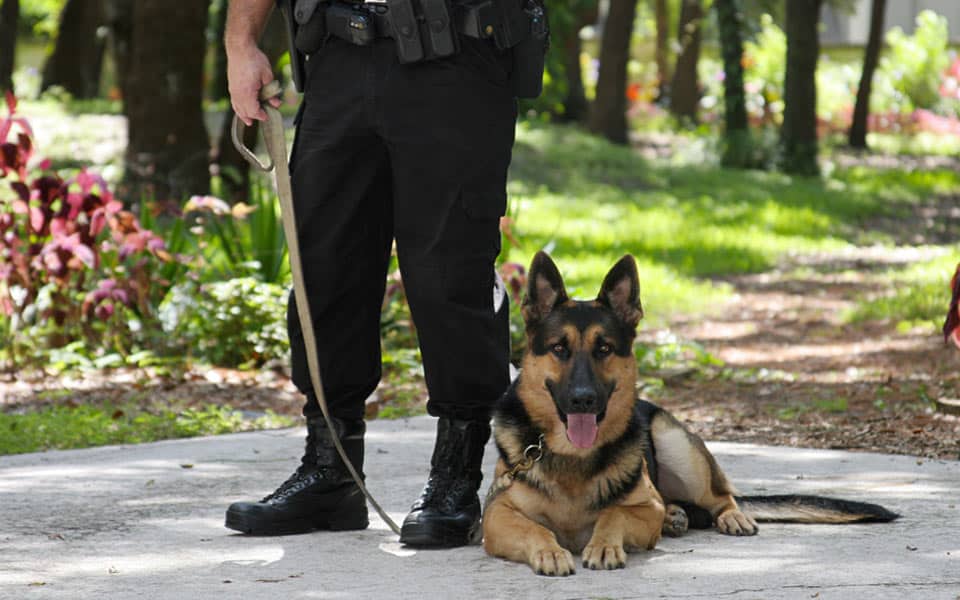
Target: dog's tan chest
column 568, row 515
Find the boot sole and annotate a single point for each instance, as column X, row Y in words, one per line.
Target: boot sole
column 437, row 535
column 346, row 520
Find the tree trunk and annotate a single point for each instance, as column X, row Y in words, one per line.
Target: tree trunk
column 168, row 149
column 576, row 108
column 77, row 57
column 685, row 88
column 871, row 56
column 233, row 168
column 120, row 39
column 798, row 135
column 662, row 52
column 608, row 115
column 738, row 149
column 9, row 15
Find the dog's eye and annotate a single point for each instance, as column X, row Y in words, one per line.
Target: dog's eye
column 560, row 349
column 604, row 349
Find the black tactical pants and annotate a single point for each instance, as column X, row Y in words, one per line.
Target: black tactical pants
column 417, row 153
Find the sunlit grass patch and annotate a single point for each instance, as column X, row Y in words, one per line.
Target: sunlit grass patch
column 919, row 295
column 921, row 143
column 64, row 427
column 588, row 202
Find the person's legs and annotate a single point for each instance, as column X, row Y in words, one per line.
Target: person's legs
column 449, row 127
column 342, row 195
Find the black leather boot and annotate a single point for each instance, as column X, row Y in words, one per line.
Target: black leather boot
column 321, row 494
column 448, row 511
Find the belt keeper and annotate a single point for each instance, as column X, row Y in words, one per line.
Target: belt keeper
column 311, row 27
column 304, row 11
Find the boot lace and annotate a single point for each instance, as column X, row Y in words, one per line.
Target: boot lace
column 302, row 478
column 449, row 487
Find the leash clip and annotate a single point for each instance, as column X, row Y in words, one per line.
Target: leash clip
column 531, row 455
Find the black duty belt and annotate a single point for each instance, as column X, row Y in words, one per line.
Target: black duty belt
column 424, row 30
column 472, row 23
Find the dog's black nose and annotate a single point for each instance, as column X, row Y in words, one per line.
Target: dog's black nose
column 583, row 399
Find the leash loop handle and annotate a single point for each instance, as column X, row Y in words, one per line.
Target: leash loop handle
column 267, row 92
column 276, row 144
column 236, row 134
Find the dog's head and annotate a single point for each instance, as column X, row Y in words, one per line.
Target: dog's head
column 579, row 372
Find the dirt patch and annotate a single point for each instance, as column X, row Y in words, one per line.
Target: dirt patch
column 931, row 222
column 795, row 374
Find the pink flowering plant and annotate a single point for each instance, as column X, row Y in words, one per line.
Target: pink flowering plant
column 74, row 264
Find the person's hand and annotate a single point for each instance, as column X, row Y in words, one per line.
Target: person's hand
column 248, row 70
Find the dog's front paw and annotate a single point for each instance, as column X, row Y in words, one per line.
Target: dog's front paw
column 734, row 522
column 553, row 562
column 675, row 522
column 604, row 556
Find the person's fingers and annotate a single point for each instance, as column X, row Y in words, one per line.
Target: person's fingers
column 246, row 75
column 266, row 78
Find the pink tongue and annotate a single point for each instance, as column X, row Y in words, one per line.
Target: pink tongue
column 582, row 429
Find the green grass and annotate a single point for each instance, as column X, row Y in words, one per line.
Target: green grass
column 64, row 427
column 920, row 297
column 923, row 143
column 589, row 202
column 792, row 412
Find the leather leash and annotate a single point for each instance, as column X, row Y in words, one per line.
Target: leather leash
column 277, row 151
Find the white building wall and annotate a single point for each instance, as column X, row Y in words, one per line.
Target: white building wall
column 853, row 29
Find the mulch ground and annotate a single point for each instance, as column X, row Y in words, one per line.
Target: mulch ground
column 795, row 374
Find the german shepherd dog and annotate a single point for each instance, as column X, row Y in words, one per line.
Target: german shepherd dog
column 585, row 466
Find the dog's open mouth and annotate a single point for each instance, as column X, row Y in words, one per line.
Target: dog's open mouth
column 582, row 428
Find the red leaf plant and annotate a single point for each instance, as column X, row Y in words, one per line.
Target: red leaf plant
column 67, row 242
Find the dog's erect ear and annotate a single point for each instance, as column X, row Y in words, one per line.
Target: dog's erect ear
column 621, row 291
column 544, row 289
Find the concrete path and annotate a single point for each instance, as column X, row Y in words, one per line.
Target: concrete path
column 146, row 522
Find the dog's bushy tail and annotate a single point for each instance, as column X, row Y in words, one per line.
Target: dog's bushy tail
column 793, row 508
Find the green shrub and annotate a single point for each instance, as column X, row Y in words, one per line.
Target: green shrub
column 242, row 239
column 915, row 63
column 236, row 323
column 766, row 61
